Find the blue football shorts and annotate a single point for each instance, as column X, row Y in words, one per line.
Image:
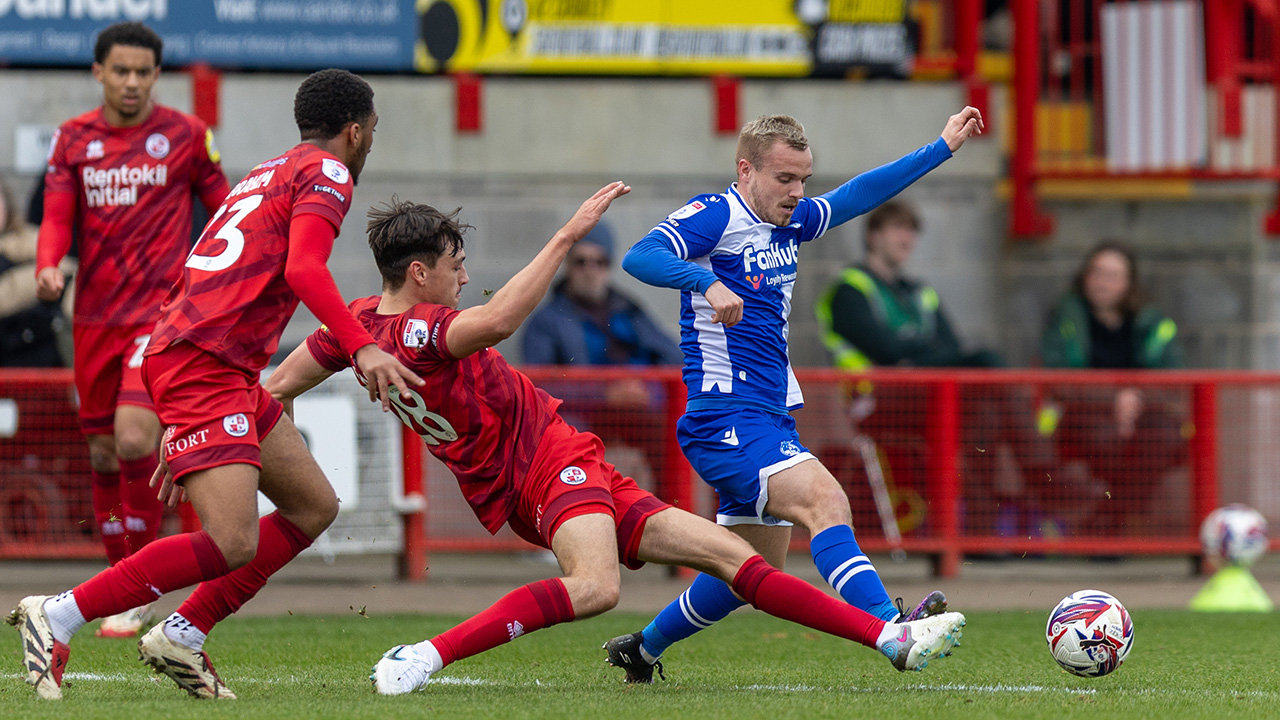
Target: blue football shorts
column 736, row 451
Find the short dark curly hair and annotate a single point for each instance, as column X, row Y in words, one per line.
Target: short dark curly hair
column 128, row 34
column 401, row 232
column 329, row 99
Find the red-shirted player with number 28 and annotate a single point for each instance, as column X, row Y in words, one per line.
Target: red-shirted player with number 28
column 121, row 176
column 518, row 463
column 264, row 250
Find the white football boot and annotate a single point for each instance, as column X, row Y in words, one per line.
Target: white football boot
column 915, row 643
column 400, row 670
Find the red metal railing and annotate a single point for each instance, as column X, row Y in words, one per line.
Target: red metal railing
column 1060, row 107
column 946, row 460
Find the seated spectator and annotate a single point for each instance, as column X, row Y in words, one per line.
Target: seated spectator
column 586, row 321
column 29, row 327
column 1128, row 436
column 876, row 315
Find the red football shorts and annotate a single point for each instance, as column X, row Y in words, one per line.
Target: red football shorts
column 568, row 478
column 213, row 414
column 108, row 365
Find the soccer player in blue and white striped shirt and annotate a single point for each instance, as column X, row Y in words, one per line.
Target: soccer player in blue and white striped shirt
column 733, row 256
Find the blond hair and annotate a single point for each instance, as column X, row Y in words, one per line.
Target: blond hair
column 760, row 134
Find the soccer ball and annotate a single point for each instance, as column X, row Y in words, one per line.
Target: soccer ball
column 1234, row 534
column 1089, row 633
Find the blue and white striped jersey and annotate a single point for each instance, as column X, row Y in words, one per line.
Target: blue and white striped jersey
column 718, row 237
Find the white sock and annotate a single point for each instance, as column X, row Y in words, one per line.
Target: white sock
column 428, row 651
column 890, row 632
column 64, row 616
column 181, row 631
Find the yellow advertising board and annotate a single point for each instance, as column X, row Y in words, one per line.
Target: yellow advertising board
column 644, row 37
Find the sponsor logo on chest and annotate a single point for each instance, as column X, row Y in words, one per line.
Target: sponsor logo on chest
column 773, row 257
column 111, row 187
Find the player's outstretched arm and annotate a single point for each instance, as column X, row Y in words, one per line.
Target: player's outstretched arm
column 297, row 374
column 487, row 325
column 871, row 188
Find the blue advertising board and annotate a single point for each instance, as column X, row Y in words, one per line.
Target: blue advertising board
column 266, row 34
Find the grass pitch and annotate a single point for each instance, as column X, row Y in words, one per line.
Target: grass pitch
column 1183, row 665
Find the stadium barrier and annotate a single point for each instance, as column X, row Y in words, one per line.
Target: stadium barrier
column 996, row 463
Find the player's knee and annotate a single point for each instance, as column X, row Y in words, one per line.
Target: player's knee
column 103, row 459
column 239, row 549
column 134, row 444
column 602, row 596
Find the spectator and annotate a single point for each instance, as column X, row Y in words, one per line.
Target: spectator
column 588, row 322
column 1129, row 437
column 29, row 327
column 876, row 315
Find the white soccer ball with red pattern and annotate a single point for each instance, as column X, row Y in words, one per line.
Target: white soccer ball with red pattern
column 1089, row 633
column 1235, row 534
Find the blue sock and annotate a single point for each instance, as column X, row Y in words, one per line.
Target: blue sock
column 841, row 562
column 706, row 602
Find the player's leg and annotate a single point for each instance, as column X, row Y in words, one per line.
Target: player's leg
column 137, row 433
column 137, row 440
column 97, row 381
column 586, row 546
column 225, row 498
column 105, row 496
column 305, row 506
column 728, row 450
column 810, row 496
column 676, row 537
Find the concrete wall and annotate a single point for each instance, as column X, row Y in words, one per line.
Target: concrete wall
column 549, row 143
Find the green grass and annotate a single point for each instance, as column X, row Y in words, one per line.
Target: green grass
column 1183, row 665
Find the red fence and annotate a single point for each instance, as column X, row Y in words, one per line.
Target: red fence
column 973, row 462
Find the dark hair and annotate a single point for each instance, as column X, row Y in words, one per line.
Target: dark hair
column 128, row 34
column 1131, row 303
column 329, row 99
column 401, row 232
column 893, row 212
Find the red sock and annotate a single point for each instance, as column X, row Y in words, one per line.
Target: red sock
column 163, row 566
column 108, row 516
column 523, row 610
column 791, row 598
column 142, row 511
column 279, row 541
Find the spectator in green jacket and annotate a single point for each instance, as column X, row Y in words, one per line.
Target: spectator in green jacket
column 1130, row 437
column 875, row 315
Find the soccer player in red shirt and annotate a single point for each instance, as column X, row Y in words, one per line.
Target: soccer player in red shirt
column 122, row 175
column 264, row 249
column 518, row 463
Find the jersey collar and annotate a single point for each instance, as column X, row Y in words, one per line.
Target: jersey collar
column 733, row 192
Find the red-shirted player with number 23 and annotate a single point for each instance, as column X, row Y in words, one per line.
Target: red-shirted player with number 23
column 122, row 176
column 263, row 250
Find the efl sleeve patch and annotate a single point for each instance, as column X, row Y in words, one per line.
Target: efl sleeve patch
column 335, row 171
column 689, row 210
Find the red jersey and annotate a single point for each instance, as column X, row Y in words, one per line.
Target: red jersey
column 232, row 299
column 481, row 417
column 133, row 188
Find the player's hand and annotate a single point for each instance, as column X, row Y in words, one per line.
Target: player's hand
column 962, row 126
column 725, row 302
column 49, row 283
column 169, row 493
column 381, row 371
column 593, row 209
